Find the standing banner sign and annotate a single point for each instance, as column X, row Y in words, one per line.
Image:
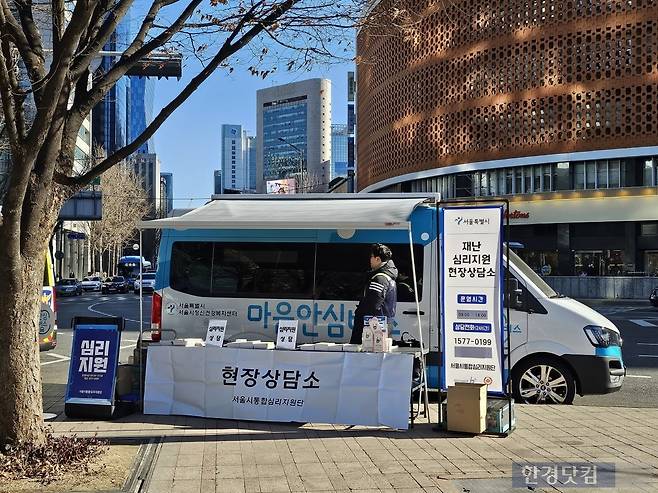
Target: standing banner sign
column 216, row 332
column 286, row 334
column 472, row 283
column 93, row 367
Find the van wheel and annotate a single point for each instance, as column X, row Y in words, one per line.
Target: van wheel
column 543, row 381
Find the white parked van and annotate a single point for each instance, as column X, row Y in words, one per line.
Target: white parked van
column 253, row 260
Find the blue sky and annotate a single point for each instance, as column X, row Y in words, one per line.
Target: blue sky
column 188, row 144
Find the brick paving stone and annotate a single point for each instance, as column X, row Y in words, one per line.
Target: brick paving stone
column 381, row 482
column 160, row 486
column 390, row 467
column 186, row 486
column 230, row 472
column 360, row 481
column 276, row 484
column 252, row 485
column 270, row 470
column 189, row 460
column 208, row 486
column 187, row 473
column 162, row 473
column 317, row 483
column 338, row 482
column 350, row 468
column 295, row 483
column 268, row 458
column 229, row 485
column 402, row 480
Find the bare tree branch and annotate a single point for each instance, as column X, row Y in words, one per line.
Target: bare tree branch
column 58, row 22
column 227, row 49
column 137, row 50
column 34, row 62
column 8, row 101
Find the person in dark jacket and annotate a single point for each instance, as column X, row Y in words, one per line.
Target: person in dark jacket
column 380, row 292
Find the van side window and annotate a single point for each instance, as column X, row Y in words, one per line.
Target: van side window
column 342, row 270
column 268, row 270
column 522, row 299
column 191, row 267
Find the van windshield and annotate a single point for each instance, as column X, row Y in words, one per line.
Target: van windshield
column 532, row 276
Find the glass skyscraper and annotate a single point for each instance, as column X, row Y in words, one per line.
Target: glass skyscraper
column 285, row 119
column 166, row 193
column 140, row 113
column 110, row 116
column 127, row 108
column 339, row 154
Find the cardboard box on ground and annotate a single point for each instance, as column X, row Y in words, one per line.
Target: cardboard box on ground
column 467, row 407
column 469, row 410
column 127, row 380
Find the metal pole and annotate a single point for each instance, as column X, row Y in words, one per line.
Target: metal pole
column 420, row 329
column 141, row 319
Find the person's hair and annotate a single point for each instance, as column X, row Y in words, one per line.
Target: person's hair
column 381, row 251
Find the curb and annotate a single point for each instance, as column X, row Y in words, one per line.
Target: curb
column 141, row 472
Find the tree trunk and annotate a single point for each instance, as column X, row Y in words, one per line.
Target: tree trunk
column 21, row 404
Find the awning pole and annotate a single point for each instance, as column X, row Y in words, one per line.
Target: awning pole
column 423, row 369
column 413, row 270
column 141, row 320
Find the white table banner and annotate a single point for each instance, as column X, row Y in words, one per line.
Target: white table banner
column 369, row 389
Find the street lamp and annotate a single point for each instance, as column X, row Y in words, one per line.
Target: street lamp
column 301, row 161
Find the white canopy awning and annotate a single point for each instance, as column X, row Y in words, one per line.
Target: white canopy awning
column 267, row 212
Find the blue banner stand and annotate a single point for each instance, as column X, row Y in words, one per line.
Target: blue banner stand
column 90, row 391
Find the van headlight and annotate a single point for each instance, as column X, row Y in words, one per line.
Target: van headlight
column 602, row 336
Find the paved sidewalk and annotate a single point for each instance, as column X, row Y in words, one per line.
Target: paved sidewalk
column 209, row 455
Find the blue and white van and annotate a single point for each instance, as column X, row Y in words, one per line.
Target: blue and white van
column 255, row 260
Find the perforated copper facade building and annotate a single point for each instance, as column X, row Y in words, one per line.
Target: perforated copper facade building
column 480, row 83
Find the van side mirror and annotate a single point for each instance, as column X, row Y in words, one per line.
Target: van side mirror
column 514, row 294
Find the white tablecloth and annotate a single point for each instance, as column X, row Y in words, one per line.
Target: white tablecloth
column 371, row 389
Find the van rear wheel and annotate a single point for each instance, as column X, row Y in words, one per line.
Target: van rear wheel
column 543, row 381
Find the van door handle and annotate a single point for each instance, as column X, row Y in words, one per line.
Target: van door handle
column 413, row 312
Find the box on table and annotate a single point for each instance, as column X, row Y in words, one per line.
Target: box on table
column 467, row 407
column 498, row 415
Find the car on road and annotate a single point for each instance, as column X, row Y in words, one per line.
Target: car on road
column 147, row 282
column 653, row 297
column 68, row 287
column 116, row 284
column 92, row 283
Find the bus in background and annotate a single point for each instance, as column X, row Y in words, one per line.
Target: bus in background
column 128, row 267
column 48, row 311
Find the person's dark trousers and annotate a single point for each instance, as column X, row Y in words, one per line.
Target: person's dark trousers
column 357, row 331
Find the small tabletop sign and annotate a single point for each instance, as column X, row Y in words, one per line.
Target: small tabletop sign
column 216, row 332
column 286, row 335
